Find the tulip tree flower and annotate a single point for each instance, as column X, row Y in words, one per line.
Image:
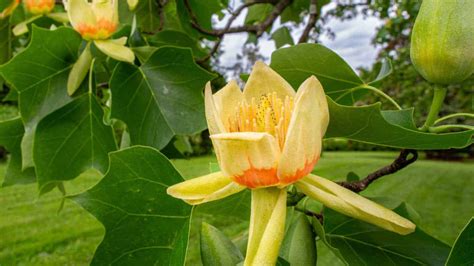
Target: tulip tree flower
column 39, row 8
column 96, row 21
column 267, row 138
column 8, row 10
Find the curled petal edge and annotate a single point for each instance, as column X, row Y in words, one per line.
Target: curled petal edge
column 116, row 50
column 303, row 142
column 204, row 189
column 79, row 70
column 263, row 80
column 212, row 116
column 352, row 204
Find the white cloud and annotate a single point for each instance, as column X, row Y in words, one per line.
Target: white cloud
column 352, row 42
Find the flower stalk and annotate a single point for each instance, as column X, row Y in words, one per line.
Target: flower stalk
column 436, row 104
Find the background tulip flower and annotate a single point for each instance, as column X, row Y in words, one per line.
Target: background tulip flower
column 266, row 138
column 8, row 10
column 37, row 7
column 96, row 21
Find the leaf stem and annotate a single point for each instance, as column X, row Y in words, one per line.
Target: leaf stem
column 444, row 128
column 91, row 75
column 468, row 115
column 438, row 99
column 373, row 89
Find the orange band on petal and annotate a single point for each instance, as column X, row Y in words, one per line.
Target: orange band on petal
column 255, row 178
column 300, row 173
column 100, row 31
column 39, row 6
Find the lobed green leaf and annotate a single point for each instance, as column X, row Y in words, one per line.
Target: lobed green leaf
column 359, row 243
column 160, row 99
column 388, row 128
column 11, row 133
column 144, row 226
column 72, row 140
column 462, row 252
column 39, row 74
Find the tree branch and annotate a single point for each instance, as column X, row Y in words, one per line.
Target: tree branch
column 313, row 17
column 257, row 29
column 161, row 13
column 234, row 16
column 400, row 162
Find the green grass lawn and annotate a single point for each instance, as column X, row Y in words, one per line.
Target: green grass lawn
column 32, row 232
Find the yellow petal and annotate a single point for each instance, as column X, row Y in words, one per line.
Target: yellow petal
column 205, row 188
column 264, row 80
column 249, row 158
column 352, row 204
column 20, row 28
column 214, row 122
column 303, row 142
column 267, row 226
column 59, row 17
column 79, row 70
column 80, row 12
column 106, row 9
column 120, row 41
column 116, row 51
column 226, row 101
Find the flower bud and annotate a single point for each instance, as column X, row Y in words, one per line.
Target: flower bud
column 37, row 7
column 94, row 21
column 443, row 39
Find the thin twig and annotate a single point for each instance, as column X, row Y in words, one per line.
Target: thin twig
column 161, row 13
column 277, row 10
column 313, row 17
column 234, row 16
column 258, row 29
column 401, row 162
column 319, row 216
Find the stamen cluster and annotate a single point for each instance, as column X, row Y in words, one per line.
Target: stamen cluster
column 270, row 114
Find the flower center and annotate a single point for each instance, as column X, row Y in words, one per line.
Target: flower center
column 270, row 114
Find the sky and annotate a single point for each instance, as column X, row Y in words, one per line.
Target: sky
column 352, row 41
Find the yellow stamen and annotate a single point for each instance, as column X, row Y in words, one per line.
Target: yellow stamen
column 270, row 114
